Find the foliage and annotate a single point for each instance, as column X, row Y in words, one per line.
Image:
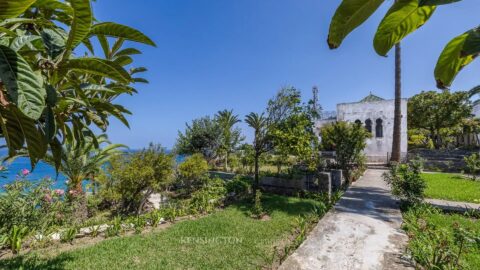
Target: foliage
column 192, row 171
column 210, row 196
column 439, row 114
column 81, row 160
column 240, row 186
column 170, row 213
column 131, row 179
column 114, row 228
column 155, row 218
column 48, row 94
column 403, row 18
column 234, row 231
column 139, row 223
column 257, row 210
column 247, row 157
column 473, row 165
column 231, row 136
column 31, row 203
column 439, row 245
column 69, row 234
column 15, row 237
column 261, row 140
column 202, row 136
column 348, row 141
column 406, row 181
column 291, row 125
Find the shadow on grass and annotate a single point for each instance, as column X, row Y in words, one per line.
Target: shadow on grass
column 34, row 262
column 273, row 203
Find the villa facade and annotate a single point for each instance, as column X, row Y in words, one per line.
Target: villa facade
column 376, row 115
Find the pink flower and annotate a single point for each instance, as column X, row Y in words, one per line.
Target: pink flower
column 25, row 172
column 48, row 198
column 59, row 192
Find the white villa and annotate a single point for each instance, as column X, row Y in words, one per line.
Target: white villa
column 376, row 115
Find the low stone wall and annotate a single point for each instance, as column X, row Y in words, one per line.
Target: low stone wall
column 442, row 160
column 323, row 182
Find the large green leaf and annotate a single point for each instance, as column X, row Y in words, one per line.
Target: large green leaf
column 54, row 5
column 21, row 41
column 18, row 130
column 451, row 61
column 24, row 87
column 348, row 16
column 436, row 2
column 472, row 43
column 404, row 17
column 97, row 66
column 13, row 8
column 120, row 31
column 81, row 24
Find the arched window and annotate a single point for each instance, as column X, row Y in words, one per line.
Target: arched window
column 368, row 125
column 379, row 128
column 358, row 122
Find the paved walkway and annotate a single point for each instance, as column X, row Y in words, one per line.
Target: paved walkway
column 453, row 206
column 361, row 232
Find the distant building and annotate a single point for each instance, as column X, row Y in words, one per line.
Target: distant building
column 376, row 115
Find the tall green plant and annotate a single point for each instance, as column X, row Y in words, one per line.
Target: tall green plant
column 231, row 136
column 47, row 93
column 261, row 140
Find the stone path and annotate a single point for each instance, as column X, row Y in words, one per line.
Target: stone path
column 453, row 206
column 361, row 232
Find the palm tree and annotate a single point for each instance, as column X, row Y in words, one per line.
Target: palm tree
column 260, row 141
column 230, row 137
column 83, row 159
column 397, row 118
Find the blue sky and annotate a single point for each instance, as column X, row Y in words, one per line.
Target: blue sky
column 235, row 54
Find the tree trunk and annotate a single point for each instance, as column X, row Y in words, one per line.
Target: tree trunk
column 397, row 120
column 256, row 173
column 226, row 162
column 143, row 201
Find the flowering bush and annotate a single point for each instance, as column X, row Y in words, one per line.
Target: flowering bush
column 37, row 204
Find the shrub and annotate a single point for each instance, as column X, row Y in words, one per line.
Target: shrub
column 114, row 228
column 139, row 224
column 155, row 217
column 68, row 235
column 210, row 196
column 257, row 210
column 192, row 171
column 15, row 237
column 239, row 186
column 348, row 141
column 170, row 213
column 31, row 203
column 406, row 181
column 132, row 178
column 473, row 165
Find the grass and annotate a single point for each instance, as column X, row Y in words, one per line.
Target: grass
column 451, row 187
column 228, row 239
column 446, row 222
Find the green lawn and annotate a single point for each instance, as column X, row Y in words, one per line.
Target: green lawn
column 451, row 187
column 228, row 239
column 446, row 222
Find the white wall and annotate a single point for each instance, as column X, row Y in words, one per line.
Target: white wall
column 377, row 148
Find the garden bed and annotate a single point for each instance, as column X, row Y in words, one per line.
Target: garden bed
column 445, row 241
column 224, row 240
column 453, row 187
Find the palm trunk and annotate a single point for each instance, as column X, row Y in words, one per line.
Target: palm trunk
column 256, row 172
column 397, row 120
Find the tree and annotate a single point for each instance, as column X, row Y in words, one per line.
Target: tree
column 247, row 157
column 403, row 18
column 291, row 126
column 134, row 177
column 231, row 136
column 202, row 136
column 438, row 113
column 192, row 171
column 49, row 95
column 261, row 143
column 81, row 160
column 348, row 140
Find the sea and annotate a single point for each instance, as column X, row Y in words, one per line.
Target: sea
column 41, row 170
